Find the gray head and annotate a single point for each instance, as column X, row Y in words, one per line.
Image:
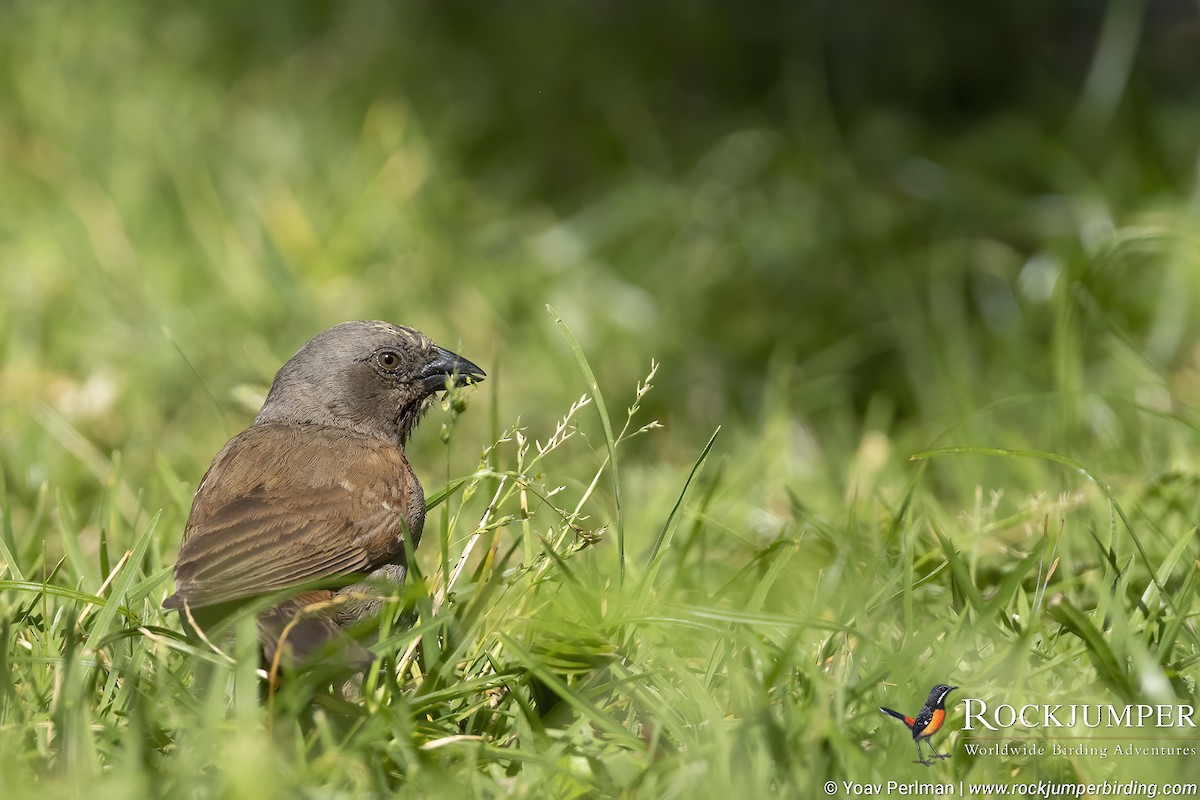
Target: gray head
column 374, row 378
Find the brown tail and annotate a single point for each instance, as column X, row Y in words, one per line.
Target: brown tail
column 301, row 631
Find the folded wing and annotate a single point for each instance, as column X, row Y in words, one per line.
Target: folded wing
column 289, row 505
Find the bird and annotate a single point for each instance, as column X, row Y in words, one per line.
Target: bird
column 317, row 495
column 928, row 721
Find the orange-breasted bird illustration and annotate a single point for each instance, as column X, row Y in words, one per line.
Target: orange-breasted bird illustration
column 927, row 722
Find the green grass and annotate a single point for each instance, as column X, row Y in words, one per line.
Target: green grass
column 840, row 395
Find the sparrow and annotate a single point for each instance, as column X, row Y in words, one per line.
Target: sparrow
column 317, row 494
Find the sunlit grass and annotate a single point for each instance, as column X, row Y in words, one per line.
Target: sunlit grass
column 738, row 659
column 844, row 408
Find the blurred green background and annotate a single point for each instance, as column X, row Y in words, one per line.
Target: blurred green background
column 796, row 191
column 809, row 194
column 851, row 218
column 847, row 231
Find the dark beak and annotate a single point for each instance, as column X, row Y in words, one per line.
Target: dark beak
column 449, row 365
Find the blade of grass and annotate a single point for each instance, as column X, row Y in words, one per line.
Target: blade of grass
column 774, row 571
column 441, row 495
column 8, row 546
column 57, row 591
column 213, row 405
column 1012, row 581
column 609, row 440
column 1171, row 630
column 69, row 535
column 1071, row 618
column 697, row 531
column 123, row 582
column 658, row 551
column 148, row 584
column 1167, row 566
column 10, row 561
column 961, row 572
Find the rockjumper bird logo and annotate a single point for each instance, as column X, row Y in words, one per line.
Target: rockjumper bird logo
column 927, row 722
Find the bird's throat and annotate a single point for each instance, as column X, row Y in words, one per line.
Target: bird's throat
column 408, row 417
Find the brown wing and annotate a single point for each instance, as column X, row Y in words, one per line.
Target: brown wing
column 285, row 505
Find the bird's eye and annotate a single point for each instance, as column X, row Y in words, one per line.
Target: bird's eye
column 388, row 360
